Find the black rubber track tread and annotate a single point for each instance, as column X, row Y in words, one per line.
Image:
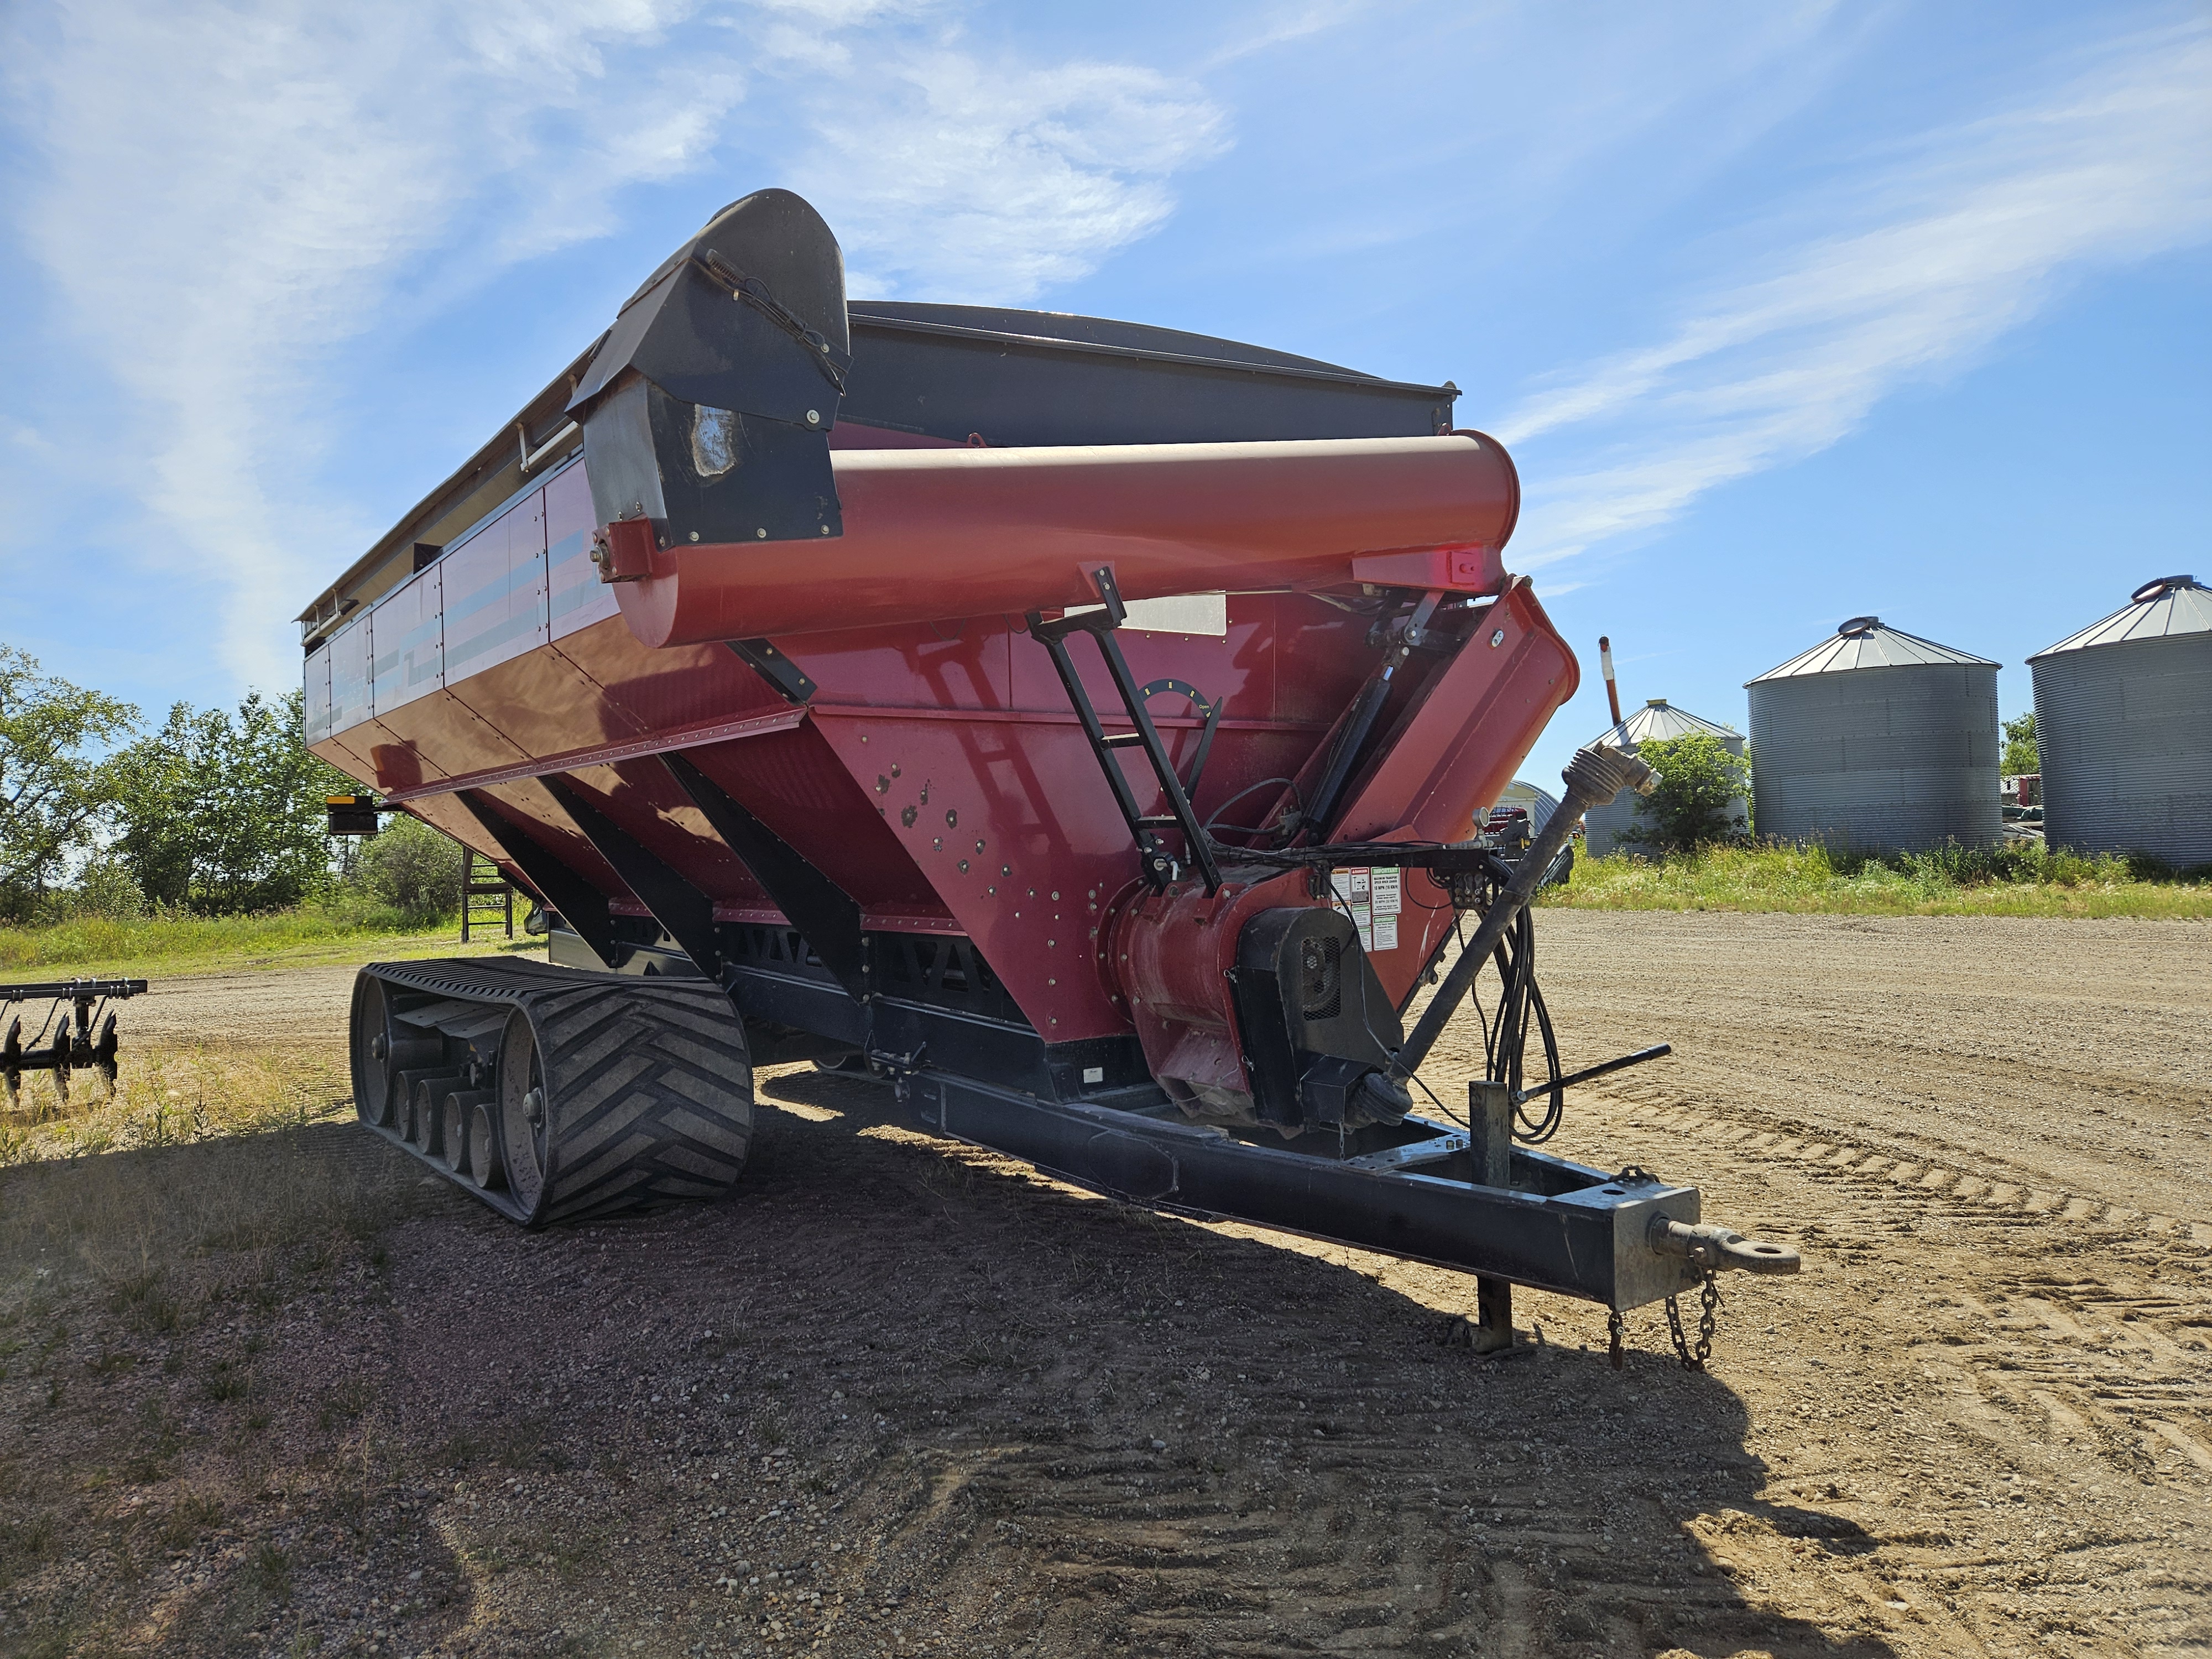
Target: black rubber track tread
column 649, row 1080
column 647, row 1090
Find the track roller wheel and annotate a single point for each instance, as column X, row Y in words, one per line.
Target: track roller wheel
column 412, row 1093
column 454, row 1123
column 426, row 1117
column 487, row 1170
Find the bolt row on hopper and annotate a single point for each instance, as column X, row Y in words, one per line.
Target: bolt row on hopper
column 1079, row 726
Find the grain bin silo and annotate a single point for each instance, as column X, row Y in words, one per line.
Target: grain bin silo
column 2123, row 718
column 1877, row 740
column 1608, row 828
column 1538, row 803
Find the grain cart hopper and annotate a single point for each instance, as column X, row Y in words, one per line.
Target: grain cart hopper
column 1081, row 727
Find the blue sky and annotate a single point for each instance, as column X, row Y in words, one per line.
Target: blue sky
column 1788, row 313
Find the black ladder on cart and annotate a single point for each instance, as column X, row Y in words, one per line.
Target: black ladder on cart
column 487, row 898
column 1159, row 867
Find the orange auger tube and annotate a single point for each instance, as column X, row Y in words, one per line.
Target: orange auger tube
column 937, row 533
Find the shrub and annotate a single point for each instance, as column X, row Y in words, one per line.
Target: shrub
column 105, row 891
column 414, row 868
column 1694, row 804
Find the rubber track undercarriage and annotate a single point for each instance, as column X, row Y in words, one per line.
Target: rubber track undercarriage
column 551, row 1093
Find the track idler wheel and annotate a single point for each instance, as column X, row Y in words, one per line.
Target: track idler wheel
column 382, row 1049
column 627, row 1099
column 525, row 1125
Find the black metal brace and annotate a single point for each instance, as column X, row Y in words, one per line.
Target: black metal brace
column 825, row 915
column 581, row 905
column 677, row 905
column 791, row 682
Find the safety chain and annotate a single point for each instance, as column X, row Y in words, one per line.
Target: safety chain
column 1693, row 1359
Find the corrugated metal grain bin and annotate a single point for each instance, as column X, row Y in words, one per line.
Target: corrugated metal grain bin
column 1608, row 829
column 1538, row 803
column 1878, row 740
column 2123, row 718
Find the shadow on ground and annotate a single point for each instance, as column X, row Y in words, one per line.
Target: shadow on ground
column 895, row 1396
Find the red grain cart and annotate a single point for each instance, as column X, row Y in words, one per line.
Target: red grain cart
column 1082, row 728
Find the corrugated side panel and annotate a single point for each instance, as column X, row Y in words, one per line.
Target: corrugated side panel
column 409, row 661
column 2126, row 737
column 350, row 660
column 1889, row 760
column 316, row 681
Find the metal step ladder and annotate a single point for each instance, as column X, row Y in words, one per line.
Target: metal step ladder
column 487, row 898
column 1159, row 866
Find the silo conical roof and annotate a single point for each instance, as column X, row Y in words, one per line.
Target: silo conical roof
column 1863, row 642
column 1659, row 720
column 2160, row 609
column 1539, row 804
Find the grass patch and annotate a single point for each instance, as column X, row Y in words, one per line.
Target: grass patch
column 191, row 1519
column 167, row 1095
column 23, row 1544
column 246, row 1154
column 2017, row 879
column 272, row 1573
column 172, row 944
column 225, row 1382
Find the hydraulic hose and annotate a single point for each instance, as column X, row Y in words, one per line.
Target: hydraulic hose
column 1594, row 777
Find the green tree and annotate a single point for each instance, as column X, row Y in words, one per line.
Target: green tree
column 223, row 813
column 56, row 783
column 1699, row 782
column 2021, row 754
column 413, row 867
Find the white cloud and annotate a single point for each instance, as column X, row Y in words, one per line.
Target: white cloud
column 950, row 176
column 226, row 195
column 1954, row 241
column 230, row 192
column 1282, row 24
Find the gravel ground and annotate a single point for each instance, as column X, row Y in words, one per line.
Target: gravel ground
column 902, row 1397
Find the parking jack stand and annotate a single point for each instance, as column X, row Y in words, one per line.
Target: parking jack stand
column 1490, row 1118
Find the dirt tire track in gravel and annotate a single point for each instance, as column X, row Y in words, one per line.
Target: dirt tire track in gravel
column 2075, row 1055
column 977, row 1412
